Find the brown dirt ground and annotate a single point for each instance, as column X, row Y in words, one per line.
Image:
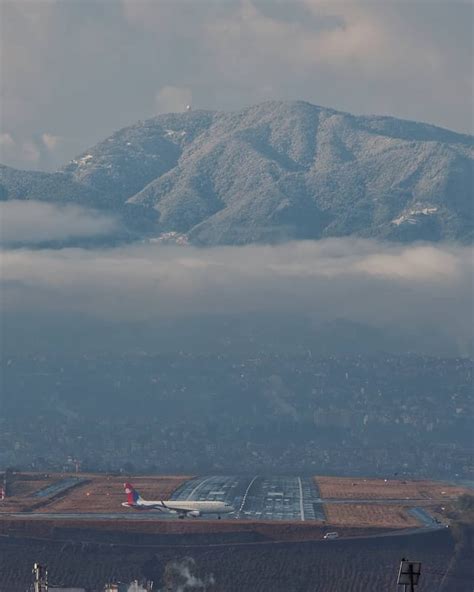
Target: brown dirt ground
column 101, row 492
column 369, row 515
column 106, row 494
column 358, row 488
column 25, row 486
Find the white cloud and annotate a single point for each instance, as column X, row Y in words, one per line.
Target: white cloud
column 419, row 264
column 50, row 141
column 30, row 152
column 42, row 151
column 172, row 99
column 10, row 148
column 411, row 289
column 358, row 38
column 24, row 222
column 6, row 140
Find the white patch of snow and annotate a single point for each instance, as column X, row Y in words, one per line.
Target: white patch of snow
column 170, row 238
column 408, row 217
column 85, row 159
column 172, row 133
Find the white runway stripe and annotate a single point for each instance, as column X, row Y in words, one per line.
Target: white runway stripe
column 301, row 499
column 198, row 487
column 244, row 499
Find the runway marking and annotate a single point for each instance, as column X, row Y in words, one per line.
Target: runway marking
column 198, row 486
column 244, row 499
column 301, row 499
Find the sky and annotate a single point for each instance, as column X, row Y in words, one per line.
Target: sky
column 74, row 71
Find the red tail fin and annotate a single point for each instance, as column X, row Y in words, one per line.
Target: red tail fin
column 132, row 494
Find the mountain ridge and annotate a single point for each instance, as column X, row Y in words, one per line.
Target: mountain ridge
column 274, row 171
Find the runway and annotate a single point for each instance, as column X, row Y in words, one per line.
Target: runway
column 254, row 498
column 258, row 497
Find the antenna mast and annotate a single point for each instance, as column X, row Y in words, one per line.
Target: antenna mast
column 41, row 578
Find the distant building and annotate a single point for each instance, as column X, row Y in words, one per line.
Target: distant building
column 133, row 587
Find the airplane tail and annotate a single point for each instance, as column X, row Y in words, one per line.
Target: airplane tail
column 132, row 494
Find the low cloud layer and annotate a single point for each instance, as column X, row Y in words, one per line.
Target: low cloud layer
column 32, row 222
column 407, row 289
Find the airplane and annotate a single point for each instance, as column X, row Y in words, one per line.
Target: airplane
column 183, row 508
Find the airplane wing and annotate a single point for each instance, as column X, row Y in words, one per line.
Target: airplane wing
column 157, row 506
column 182, row 511
column 175, row 508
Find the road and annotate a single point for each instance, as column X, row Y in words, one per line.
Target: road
column 59, row 487
column 92, row 516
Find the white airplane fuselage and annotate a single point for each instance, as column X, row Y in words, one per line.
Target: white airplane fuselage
column 203, row 507
column 181, row 507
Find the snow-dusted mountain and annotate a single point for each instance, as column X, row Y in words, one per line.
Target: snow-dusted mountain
column 270, row 172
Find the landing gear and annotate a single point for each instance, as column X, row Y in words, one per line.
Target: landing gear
column 181, row 516
column 218, row 517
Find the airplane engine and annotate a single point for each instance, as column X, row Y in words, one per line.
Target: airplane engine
column 194, row 513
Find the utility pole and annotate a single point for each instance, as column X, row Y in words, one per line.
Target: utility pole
column 41, row 578
column 409, row 574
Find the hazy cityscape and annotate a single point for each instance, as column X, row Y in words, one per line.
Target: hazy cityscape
column 375, row 415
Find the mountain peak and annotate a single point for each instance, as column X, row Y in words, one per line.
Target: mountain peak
column 272, row 171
